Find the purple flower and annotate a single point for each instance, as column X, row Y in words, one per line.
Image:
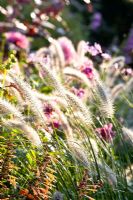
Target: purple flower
column 129, row 42
column 18, row 39
column 128, row 48
column 23, row 1
column 68, row 49
column 54, row 8
column 96, row 21
column 106, row 132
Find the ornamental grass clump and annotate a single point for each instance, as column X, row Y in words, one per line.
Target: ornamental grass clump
column 59, row 114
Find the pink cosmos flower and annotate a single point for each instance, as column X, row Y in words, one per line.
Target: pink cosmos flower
column 106, row 56
column 106, row 132
column 48, row 110
column 68, row 49
column 87, row 68
column 127, row 72
column 94, row 50
column 78, row 92
column 18, row 39
column 88, row 71
column 56, row 124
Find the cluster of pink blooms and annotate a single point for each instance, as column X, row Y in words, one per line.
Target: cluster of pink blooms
column 95, row 50
column 18, row 39
column 106, row 132
column 71, row 56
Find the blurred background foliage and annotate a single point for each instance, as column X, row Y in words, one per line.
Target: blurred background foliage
column 106, row 22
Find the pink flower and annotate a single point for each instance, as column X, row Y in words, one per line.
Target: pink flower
column 88, row 71
column 94, row 50
column 78, row 92
column 87, row 68
column 106, row 132
column 127, row 72
column 48, row 110
column 98, row 47
column 56, row 124
column 18, row 39
column 68, row 49
column 106, row 56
